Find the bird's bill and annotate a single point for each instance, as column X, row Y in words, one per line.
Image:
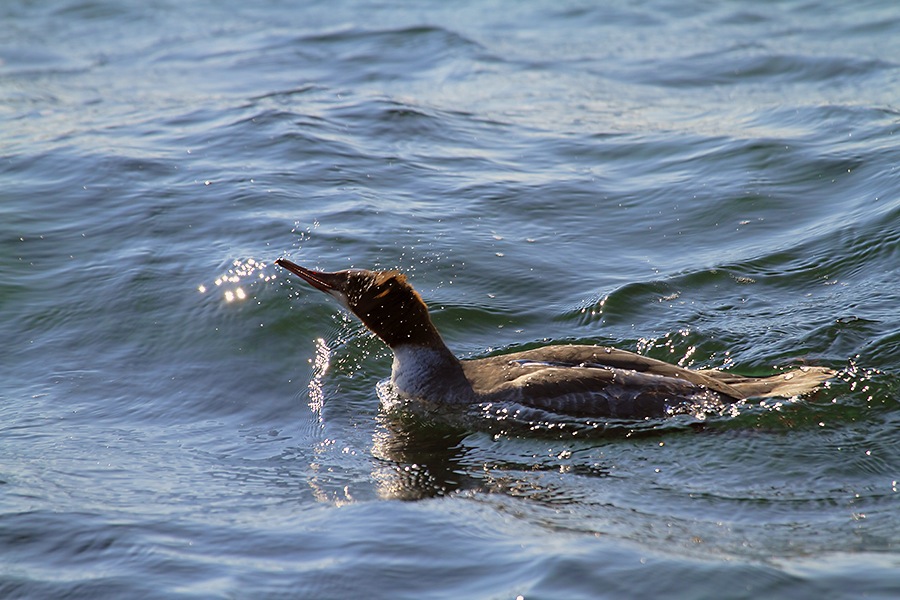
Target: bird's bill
column 326, row 282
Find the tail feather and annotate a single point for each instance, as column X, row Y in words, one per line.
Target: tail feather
column 784, row 385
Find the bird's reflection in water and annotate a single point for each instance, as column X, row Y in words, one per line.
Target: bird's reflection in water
column 421, row 457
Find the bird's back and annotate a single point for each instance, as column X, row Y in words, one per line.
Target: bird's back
column 597, row 381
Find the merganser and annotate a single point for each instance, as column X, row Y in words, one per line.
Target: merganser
column 576, row 380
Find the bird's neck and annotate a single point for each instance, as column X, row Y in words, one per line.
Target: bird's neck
column 429, row 372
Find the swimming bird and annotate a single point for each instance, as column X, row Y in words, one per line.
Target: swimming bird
column 576, row 380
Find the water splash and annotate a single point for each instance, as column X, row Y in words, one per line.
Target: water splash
column 304, row 234
column 241, row 277
column 316, row 385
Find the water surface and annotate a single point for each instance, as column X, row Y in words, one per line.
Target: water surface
column 712, row 184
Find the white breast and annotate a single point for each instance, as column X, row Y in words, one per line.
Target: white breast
column 430, row 374
column 414, row 368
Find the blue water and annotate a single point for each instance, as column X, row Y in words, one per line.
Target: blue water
column 715, row 184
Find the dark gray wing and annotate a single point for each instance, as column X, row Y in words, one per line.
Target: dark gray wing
column 608, row 357
column 591, row 390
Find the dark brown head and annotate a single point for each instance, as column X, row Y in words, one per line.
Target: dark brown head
column 383, row 300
